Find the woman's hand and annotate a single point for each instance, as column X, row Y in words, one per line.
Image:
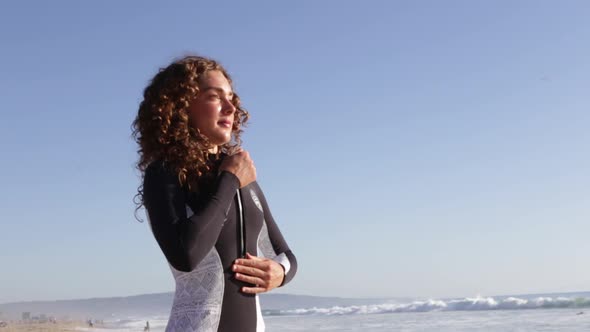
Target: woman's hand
column 241, row 165
column 265, row 274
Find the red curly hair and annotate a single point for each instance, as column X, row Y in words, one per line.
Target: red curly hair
column 162, row 128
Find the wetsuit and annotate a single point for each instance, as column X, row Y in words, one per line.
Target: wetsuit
column 199, row 234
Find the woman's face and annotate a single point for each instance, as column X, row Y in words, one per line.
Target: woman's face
column 212, row 111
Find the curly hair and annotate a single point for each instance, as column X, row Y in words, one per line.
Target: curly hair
column 162, row 128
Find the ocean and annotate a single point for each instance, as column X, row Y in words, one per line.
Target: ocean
column 494, row 314
column 526, row 320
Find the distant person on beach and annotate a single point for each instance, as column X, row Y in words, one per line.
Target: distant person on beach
column 207, row 212
column 147, row 326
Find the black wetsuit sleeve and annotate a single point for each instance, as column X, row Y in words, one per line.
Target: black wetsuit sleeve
column 277, row 240
column 185, row 240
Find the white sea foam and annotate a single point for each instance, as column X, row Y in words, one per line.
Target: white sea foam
column 466, row 304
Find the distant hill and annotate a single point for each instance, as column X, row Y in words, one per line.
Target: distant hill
column 157, row 305
column 95, row 307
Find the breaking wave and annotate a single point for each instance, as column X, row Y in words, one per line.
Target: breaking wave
column 477, row 303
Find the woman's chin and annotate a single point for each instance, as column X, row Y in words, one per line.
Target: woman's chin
column 221, row 140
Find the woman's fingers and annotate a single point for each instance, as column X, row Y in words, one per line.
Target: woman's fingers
column 251, row 280
column 257, row 262
column 252, row 271
column 253, row 290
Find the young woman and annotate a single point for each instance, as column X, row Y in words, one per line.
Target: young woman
column 205, row 208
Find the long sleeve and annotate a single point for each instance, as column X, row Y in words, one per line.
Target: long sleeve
column 285, row 256
column 185, row 240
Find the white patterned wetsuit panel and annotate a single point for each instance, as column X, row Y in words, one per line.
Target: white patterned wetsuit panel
column 265, row 249
column 198, row 297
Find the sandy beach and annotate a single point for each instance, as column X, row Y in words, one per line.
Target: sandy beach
column 46, row 327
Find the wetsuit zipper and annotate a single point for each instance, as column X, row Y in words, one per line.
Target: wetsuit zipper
column 241, row 226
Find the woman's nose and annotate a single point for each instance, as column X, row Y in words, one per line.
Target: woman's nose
column 228, row 107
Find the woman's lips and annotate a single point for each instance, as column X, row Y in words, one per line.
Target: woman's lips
column 226, row 124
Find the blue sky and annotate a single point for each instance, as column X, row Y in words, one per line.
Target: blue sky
column 424, row 148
